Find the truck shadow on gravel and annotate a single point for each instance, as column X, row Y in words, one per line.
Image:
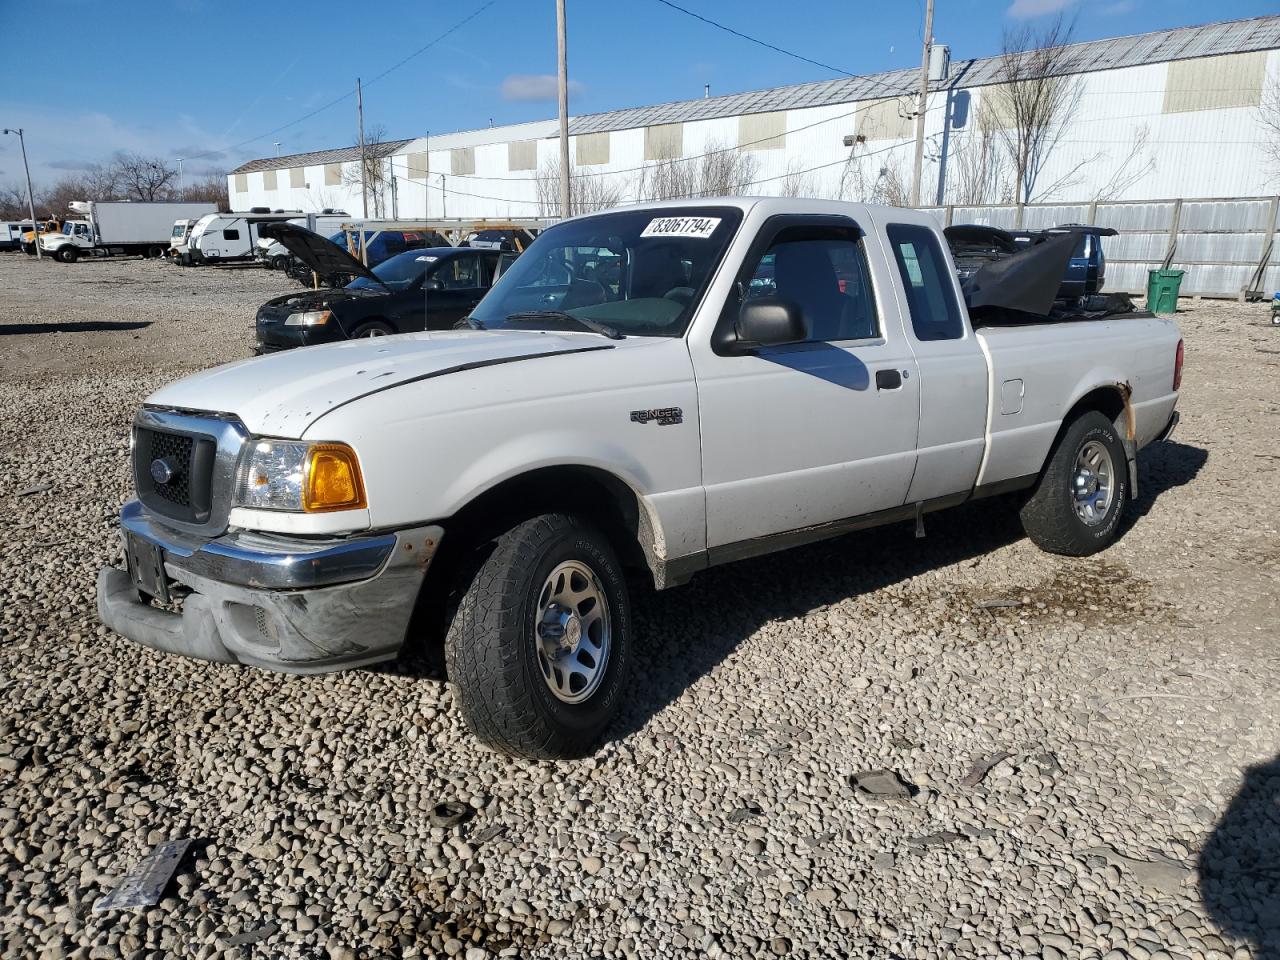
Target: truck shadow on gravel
column 1239, row 864
column 74, row 326
column 1161, row 467
column 683, row 634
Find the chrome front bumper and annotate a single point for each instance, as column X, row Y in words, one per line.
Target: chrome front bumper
column 301, row 606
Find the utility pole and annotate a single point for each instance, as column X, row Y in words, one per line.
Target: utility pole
column 562, row 44
column 31, row 197
column 923, row 104
column 364, row 186
column 179, row 159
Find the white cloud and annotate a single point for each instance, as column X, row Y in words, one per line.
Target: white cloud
column 1026, row 9
column 61, row 141
column 534, row 86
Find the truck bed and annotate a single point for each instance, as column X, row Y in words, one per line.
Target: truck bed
column 1039, row 371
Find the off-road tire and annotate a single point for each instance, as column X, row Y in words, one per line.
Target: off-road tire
column 68, row 254
column 1049, row 515
column 490, row 648
column 374, row 328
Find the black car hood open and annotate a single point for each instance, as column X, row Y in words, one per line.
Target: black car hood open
column 1026, row 281
column 320, row 254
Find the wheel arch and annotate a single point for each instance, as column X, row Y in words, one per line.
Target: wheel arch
column 605, row 499
column 1114, row 401
column 590, row 491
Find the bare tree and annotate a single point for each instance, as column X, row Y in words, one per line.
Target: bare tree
column 1269, row 118
column 143, row 178
column 979, row 165
column 103, row 183
column 13, row 202
column 587, row 192
column 1034, row 101
column 874, row 179
column 796, row 182
column 718, row 172
column 211, row 188
column 377, row 171
column 1136, row 165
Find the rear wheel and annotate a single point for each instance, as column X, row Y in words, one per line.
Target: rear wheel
column 154, row 253
column 279, row 263
column 539, row 643
column 1076, row 508
column 374, row 328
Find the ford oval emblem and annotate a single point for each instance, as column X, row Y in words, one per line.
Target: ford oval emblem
column 161, row 472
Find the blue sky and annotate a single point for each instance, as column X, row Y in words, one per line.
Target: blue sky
column 214, row 81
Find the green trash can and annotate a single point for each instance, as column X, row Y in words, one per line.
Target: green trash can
column 1162, row 290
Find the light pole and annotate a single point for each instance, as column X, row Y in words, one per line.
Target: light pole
column 179, row 159
column 277, row 143
column 31, row 197
column 562, row 91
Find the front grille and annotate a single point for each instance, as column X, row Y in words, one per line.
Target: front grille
column 187, row 495
column 177, row 450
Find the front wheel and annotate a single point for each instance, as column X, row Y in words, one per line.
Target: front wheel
column 1076, row 508
column 374, row 328
column 539, row 643
column 68, row 254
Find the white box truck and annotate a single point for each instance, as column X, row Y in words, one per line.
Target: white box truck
column 121, row 227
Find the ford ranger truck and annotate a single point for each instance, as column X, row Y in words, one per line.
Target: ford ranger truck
column 647, row 391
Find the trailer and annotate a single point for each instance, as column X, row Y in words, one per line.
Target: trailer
column 11, row 232
column 121, row 228
column 227, row 237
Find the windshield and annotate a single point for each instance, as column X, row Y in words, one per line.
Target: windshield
column 641, row 272
column 398, row 273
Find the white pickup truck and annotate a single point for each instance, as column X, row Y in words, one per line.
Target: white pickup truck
column 650, row 390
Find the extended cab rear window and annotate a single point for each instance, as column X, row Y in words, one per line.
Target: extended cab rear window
column 926, row 280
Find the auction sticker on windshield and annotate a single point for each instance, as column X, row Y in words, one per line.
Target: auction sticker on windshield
column 700, row 227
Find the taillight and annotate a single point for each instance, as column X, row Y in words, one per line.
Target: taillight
column 1177, row 367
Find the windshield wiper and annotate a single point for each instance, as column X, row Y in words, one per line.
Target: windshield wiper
column 473, row 322
column 595, row 326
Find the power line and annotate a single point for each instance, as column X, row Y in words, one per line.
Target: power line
column 770, row 46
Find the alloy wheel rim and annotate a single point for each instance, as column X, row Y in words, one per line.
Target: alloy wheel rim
column 571, row 632
column 1093, row 482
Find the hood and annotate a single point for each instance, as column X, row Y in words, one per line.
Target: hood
column 320, row 254
column 282, row 394
column 1026, row 281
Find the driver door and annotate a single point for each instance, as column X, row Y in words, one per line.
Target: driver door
column 452, row 288
column 809, row 433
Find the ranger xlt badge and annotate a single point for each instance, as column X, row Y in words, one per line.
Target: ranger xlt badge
column 665, row 416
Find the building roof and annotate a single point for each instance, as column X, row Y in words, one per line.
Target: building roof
column 1212, row 39
column 1233, row 36
column 317, row 157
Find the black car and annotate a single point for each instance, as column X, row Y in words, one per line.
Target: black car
column 429, row 289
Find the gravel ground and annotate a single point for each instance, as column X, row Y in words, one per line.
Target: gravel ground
column 1128, row 706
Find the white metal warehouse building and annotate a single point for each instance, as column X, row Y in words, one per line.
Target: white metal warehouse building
column 1159, row 115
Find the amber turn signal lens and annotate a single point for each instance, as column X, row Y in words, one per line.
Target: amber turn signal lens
column 333, row 479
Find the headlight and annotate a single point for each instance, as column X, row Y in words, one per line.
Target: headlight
column 301, row 477
column 308, row 318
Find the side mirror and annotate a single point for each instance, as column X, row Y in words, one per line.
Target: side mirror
column 770, row 322
column 433, row 284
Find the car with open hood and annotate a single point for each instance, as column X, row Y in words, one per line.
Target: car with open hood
column 432, row 288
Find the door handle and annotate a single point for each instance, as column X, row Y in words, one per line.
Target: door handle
column 888, row 380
